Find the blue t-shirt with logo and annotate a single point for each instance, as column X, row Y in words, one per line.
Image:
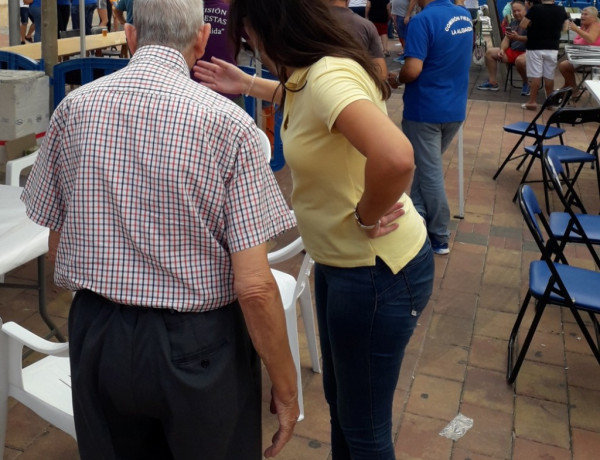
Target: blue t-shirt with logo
column 442, row 37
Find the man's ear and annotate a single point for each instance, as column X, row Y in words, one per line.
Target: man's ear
column 201, row 40
column 131, row 36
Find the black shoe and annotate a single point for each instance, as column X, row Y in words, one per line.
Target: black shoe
column 29, row 39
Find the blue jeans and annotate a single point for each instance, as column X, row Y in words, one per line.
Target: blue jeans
column 36, row 15
column 430, row 141
column 366, row 317
column 89, row 17
column 75, row 16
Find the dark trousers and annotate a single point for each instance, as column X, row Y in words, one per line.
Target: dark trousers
column 63, row 14
column 360, row 10
column 75, row 16
column 89, row 17
column 157, row 384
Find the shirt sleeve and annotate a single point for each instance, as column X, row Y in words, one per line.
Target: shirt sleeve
column 417, row 39
column 335, row 85
column 255, row 210
column 42, row 194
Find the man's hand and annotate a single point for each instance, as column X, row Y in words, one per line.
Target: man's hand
column 393, row 80
column 287, row 414
column 261, row 305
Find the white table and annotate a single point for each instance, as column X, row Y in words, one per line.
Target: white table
column 593, row 87
column 583, row 55
column 21, row 240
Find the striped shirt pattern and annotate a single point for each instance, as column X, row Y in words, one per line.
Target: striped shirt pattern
column 152, row 181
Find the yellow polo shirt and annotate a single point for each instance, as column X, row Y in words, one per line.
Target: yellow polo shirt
column 328, row 172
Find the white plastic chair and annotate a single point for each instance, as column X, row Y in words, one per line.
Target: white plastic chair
column 293, row 290
column 21, row 240
column 44, row 386
column 15, row 167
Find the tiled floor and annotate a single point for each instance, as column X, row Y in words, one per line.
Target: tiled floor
column 455, row 362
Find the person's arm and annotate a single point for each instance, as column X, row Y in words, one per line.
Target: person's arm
column 411, row 70
column 224, row 77
column 409, row 10
column 367, row 9
column 380, row 62
column 119, row 15
column 261, row 305
column 388, row 7
column 515, row 37
column 524, row 23
column 590, row 35
column 389, row 166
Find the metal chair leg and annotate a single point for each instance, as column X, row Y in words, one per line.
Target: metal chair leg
column 508, row 157
column 513, row 370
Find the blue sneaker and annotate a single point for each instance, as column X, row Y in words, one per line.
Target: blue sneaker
column 487, row 86
column 439, row 248
column 526, row 90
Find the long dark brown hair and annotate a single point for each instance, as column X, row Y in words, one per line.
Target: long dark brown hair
column 297, row 33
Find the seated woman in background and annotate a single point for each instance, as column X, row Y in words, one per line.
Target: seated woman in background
column 587, row 34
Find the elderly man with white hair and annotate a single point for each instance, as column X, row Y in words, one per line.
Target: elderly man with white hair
column 164, row 204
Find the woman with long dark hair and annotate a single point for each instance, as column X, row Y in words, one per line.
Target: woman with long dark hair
column 351, row 166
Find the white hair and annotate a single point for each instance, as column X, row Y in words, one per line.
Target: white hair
column 172, row 23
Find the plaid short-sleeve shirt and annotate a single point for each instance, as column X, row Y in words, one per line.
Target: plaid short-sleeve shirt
column 153, row 181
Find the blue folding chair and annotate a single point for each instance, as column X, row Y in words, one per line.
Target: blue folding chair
column 539, row 132
column 14, row 61
column 86, row 70
column 552, row 283
column 571, row 155
column 567, row 226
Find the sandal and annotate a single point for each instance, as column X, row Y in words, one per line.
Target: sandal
column 529, row 107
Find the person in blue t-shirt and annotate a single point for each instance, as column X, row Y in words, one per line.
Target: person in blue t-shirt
column 121, row 7
column 438, row 49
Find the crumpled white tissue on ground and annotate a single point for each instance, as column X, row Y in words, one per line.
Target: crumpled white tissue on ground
column 457, row 428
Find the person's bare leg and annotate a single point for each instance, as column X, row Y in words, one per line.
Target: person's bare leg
column 384, row 43
column 521, row 67
column 535, row 85
column 548, row 86
column 29, row 35
column 103, row 15
column 116, row 25
column 568, row 72
column 23, row 29
column 491, row 64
